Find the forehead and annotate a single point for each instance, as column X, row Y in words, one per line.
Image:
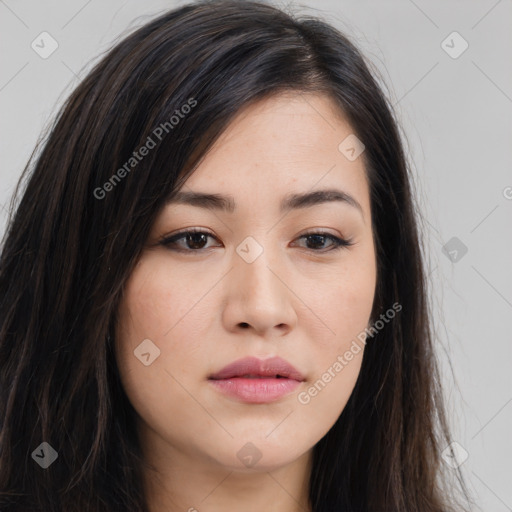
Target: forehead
column 281, row 144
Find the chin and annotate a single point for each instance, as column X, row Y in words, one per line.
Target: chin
column 254, row 456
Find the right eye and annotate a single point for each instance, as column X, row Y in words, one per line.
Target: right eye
column 192, row 240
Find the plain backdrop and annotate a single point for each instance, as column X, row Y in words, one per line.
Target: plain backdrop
column 453, row 97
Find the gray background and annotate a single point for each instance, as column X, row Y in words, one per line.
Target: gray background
column 456, row 116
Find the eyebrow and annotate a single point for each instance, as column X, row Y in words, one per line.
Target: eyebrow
column 289, row 202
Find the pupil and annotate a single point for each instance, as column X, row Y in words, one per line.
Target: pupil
column 192, row 241
column 317, row 238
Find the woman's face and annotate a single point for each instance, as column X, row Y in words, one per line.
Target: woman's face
column 253, row 285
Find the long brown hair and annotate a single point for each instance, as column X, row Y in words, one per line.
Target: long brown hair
column 80, row 226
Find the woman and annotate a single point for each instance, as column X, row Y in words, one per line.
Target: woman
column 212, row 288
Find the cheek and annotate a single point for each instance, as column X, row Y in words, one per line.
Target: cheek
column 342, row 302
column 159, row 302
column 161, row 307
column 149, row 316
column 338, row 359
column 323, row 400
column 343, row 306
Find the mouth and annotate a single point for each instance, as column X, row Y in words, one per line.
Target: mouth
column 257, row 377
column 253, row 380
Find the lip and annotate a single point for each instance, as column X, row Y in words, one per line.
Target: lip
column 254, row 380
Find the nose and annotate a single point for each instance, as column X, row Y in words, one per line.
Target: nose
column 259, row 297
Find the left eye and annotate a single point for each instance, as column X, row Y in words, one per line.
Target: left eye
column 196, row 241
column 319, row 238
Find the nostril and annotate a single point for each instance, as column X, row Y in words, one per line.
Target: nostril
column 244, row 325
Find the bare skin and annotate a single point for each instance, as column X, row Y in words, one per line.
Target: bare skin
column 207, row 306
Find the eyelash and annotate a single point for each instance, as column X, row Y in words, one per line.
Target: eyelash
column 170, row 241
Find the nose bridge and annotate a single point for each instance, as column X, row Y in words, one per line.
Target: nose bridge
column 253, row 263
column 257, row 294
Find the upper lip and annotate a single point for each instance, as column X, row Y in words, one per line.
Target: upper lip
column 272, row 367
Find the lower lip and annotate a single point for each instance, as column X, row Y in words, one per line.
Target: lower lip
column 256, row 390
